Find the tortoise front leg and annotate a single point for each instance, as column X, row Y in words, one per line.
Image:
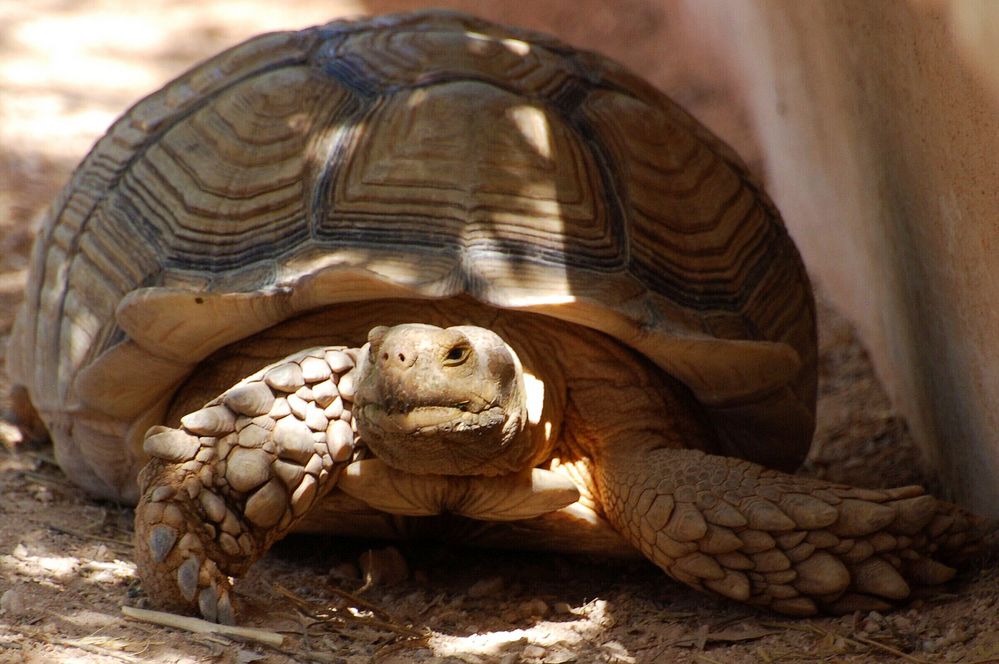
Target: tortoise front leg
column 792, row 544
column 727, row 526
column 238, row 474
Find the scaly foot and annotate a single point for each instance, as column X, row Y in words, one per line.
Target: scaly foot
column 238, row 474
column 793, row 544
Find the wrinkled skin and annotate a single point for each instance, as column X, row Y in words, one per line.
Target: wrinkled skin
column 578, row 442
column 448, row 401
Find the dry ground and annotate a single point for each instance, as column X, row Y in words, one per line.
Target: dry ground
column 66, row 69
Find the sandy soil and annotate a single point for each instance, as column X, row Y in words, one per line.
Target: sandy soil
column 66, row 70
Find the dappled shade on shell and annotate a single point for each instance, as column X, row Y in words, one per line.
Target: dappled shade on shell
column 414, row 157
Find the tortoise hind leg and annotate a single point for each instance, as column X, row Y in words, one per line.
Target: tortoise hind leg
column 795, row 545
column 236, row 477
column 22, row 414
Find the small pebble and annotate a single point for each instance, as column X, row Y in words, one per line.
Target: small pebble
column 345, row 571
column 384, row 566
column 533, row 608
column 614, row 651
column 956, row 634
column 562, row 608
column 510, row 616
column 869, row 626
column 11, row 602
column 10, row 435
column 901, row 623
column 532, row 651
column 560, row 656
column 486, row 587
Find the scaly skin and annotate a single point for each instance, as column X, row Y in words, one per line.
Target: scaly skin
column 792, row 544
column 727, row 526
column 225, row 486
column 238, row 474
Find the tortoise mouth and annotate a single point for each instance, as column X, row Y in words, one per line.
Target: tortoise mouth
column 442, row 440
column 393, row 420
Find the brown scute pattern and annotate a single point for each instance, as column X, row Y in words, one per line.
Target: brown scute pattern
column 88, row 227
column 408, row 58
column 700, row 233
column 476, row 170
column 794, row 545
column 238, row 474
column 238, row 171
column 556, row 176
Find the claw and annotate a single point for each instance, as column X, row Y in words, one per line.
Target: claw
column 162, row 493
column 914, row 514
column 764, row 515
column 206, row 494
column 877, row 577
column 208, row 604
column 821, row 574
column 210, row 421
column 851, row 602
column 187, row 578
column 858, row 518
column 929, row 572
column 225, row 614
column 161, row 540
column 170, row 445
column 807, row 511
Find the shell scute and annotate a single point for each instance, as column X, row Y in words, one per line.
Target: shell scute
column 285, row 174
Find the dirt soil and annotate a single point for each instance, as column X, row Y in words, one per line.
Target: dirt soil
column 66, row 70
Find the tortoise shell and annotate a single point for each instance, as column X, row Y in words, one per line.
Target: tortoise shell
column 427, row 155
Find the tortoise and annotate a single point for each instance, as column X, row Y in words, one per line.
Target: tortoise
column 423, row 274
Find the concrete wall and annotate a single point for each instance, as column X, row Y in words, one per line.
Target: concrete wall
column 879, row 127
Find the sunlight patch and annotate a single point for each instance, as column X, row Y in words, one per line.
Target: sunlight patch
column 540, row 642
column 533, row 126
column 516, row 46
column 20, row 561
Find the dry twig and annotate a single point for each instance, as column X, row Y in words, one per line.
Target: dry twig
column 701, row 657
column 51, row 482
column 82, row 535
column 856, row 639
column 203, row 626
column 94, row 650
column 38, row 635
column 887, row 648
column 360, row 603
column 42, row 456
column 336, row 617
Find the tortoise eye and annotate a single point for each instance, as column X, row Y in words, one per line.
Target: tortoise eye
column 457, row 355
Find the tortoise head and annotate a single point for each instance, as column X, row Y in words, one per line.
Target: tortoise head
column 445, row 401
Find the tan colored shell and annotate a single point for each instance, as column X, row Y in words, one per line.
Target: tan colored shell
column 425, row 155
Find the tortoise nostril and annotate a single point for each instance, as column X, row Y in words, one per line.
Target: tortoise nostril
column 384, row 356
column 402, row 358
